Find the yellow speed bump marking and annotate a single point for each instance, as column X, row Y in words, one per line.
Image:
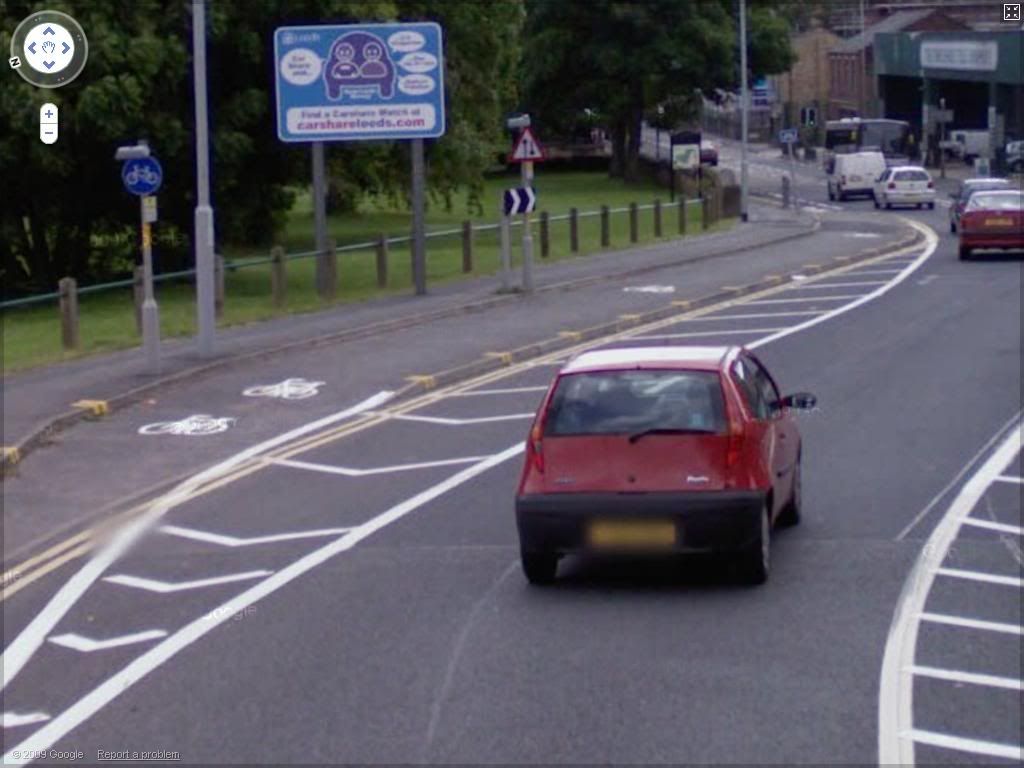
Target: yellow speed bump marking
column 427, row 382
column 842, row 258
column 505, row 357
column 631, row 318
column 685, row 304
column 95, row 407
column 11, row 454
column 811, row 266
column 574, row 335
column 773, row 278
column 732, row 287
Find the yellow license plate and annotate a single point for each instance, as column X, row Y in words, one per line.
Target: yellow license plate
column 647, row 533
column 998, row 222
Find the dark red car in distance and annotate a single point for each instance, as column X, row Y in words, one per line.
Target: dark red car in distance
column 992, row 220
column 660, row 449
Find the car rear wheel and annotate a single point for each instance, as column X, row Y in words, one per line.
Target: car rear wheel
column 931, row 206
column 790, row 514
column 755, row 561
column 952, row 227
column 539, row 567
column 965, row 253
column 831, row 194
column 888, row 205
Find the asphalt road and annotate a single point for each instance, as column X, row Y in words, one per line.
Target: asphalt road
column 353, row 595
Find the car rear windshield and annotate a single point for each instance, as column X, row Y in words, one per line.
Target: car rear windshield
column 999, row 201
column 911, row 176
column 628, row 402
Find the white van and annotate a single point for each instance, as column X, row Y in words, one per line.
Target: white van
column 854, row 174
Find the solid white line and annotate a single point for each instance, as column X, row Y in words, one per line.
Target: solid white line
column 974, row 746
column 859, row 272
column 1001, row 527
column 166, row 587
column 1010, row 479
column 960, row 621
column 461, row 422
column 656, row 336
column 501, row 391
column 13, row 719
column 107, row 691
column 712, row 318
column 817, row 286
column 956, row 479
column 973, row 678
column 805, row 298
column 234, row 541
column 88, row 645
column 896, row 686
column 32, row 636
column 931, row 243
column 988, row 578
column 351, row 472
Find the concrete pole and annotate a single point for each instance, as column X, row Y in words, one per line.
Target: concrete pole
column 150, row 310
column 206, row 320
column 418, row 245
column 526, row 174
column 744, row 99
column 323, row 288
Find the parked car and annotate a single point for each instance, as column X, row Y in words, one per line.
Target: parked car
column 968, row 188
column 992, row 219
column 708, row 152
column 656, row 450
column 904, row 185
column 853, row 174
column 968, row 144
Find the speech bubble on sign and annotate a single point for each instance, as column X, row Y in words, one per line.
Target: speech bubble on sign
column 416, row 85
column 301, row 66
column 418, row 62
column 406, row 41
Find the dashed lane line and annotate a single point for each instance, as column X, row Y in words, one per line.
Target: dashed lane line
column 957, row 676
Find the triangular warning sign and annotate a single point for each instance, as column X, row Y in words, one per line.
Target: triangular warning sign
column 527, row 148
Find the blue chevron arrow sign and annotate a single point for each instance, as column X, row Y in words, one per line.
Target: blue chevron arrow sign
column 520, row 200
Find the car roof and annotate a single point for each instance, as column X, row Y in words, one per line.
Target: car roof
column 907, row 168
column 626, row 358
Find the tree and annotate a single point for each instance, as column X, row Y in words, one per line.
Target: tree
column 627, row 58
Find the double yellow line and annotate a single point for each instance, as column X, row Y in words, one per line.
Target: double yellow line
column 38, row 566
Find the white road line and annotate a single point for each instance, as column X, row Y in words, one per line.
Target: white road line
column 165, row 587
column 960, row 744
column 956, row 479
column 960, row 621
column 351, row 472
column 692, row 334
column 859, row 272
column 815, row 286
column 88, row 645
column 988, row 578
column 1001, row 527
column 13, row 719
column 500, row 391
column 451, row 422
column 107, row 691
column 896, row 688
column 712, row 318
column 1010, row 479
column 28, row 641
column 234, row 541
column 956, row 676
column 804, row 298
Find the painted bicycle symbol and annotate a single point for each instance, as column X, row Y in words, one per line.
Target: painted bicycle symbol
column 289, row 389
column 196, row 424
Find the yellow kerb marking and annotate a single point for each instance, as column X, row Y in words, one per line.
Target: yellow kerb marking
column 732, row 287
column 684, row 304
column 427, row 382
column 505, row 357
column 631, row 318
column 11, row 454
column 95, row 407
column 574, row 335
column 773, row 278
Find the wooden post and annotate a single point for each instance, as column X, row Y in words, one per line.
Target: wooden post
column 705, row 212
column 68, row 289
column 467, row 246
column 278, row 284
column 574, row 230
column 138, row 294
column 682, row 214
column 634, row 223
column 545, row 235
column 605, row 227
column 382, row 261
column 218, row 282
column 330, row 277
column 657, row 218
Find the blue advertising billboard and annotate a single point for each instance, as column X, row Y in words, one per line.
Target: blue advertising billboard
column 351, row 82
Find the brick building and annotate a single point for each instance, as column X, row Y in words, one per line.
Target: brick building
column 806, row 84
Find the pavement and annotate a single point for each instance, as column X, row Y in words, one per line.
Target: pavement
column 339, row 583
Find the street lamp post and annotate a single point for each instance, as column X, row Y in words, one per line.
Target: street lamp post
column 203, row 237
column 743, row 110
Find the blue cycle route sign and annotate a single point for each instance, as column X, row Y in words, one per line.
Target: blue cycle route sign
column 351, row 82
column 142, row 176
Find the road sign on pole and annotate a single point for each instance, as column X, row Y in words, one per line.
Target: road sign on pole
column 527, row 148
column 788, row 136
column 142, row 176
column 685, row 157
column 520, row 200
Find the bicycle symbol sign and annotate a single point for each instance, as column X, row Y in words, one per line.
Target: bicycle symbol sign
column 142, row 176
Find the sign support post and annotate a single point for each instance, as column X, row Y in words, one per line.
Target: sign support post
column 506, row 250
column 417, row 246
column 320, row 217
column 526, row 175
column 150, row 310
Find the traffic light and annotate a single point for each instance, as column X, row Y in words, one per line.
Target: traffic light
column 808, row 116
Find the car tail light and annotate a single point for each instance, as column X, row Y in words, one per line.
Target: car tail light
column 931, row 185
column 892, row 185
column 535, row 448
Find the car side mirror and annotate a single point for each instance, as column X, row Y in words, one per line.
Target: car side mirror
column 803, row 401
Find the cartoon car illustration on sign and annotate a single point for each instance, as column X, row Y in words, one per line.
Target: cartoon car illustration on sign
column 357, row 65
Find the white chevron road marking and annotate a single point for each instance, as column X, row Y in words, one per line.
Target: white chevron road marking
column 233, row 541
column 164, row 587
column 88, row 645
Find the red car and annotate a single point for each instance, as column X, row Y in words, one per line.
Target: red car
column 660, row 449
column 708, row 152
column 992, row 220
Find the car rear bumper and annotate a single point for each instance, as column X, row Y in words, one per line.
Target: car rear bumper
column 895, row 196
column 704, row 521
column 1014, row 240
